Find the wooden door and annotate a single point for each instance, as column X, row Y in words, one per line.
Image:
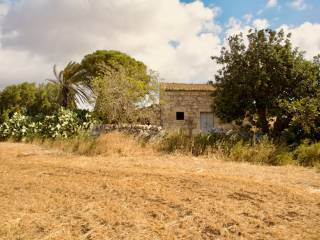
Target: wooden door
column 206, row 122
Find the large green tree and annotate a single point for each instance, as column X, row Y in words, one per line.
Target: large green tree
column 116, row 61
column 304, row 112
column 120, row 83
column 29, row 98
column 73, row 85
column 258, row 73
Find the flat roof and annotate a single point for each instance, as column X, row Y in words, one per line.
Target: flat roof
column 187, row 87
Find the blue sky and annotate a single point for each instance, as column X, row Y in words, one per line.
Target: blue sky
column 282, row 13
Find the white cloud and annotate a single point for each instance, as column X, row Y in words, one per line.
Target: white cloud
column 171, row 37
column 247, row 18
column 272, row 3
column 260, row 23
column 20, row 66
column 236, row 26
column 59, row 31
column 299, row 4
column 306, row 37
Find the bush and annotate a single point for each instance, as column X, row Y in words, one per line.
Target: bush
column 18, row 127
column 262, row 153
column 265, row 152
column 176, row 142
column 284, row 157
column 308, row 154
column 199, row 144
column 63, row 124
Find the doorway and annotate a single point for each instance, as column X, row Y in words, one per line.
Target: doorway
column 206, row 122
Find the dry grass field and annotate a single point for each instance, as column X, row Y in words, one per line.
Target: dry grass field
column 125, row 194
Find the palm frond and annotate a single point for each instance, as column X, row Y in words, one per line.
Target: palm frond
column 78, row 76
column 83, row 95
column 75, row 80
column 53, row 81
column 60, row 77
column 55, row 71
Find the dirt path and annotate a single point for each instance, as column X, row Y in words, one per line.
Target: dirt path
column 45, row 194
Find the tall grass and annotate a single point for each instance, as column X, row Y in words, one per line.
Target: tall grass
column 226, row 147
column 114, row 143
column 201, row 144
column 265, row 152
column 308, row 154
column 229, row 147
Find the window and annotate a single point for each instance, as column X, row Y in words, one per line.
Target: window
column 180, row 116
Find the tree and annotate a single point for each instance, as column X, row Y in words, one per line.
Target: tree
column 120, row 83
column 118, row 97
column 46, row 100
column 73, row 87
column 257, row 76
column 304, row 112
column 116, row 61
column 28, row 98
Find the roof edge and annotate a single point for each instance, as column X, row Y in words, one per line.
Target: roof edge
column 187, row 87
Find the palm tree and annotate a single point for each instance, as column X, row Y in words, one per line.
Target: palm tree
column 72, row 84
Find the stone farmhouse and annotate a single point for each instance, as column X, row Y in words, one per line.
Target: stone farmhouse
column 187, row 108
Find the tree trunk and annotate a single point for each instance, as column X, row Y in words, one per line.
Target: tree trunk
column 65, row 95
column 263, row 122
column 280, row 125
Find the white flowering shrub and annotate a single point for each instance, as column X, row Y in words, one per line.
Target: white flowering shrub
column 17, row 127
column 63, row 124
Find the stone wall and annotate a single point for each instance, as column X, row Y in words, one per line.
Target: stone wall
column 192, row 103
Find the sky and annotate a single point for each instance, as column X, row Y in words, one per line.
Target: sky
column 175, row 38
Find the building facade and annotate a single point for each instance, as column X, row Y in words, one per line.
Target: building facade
column 187, row 108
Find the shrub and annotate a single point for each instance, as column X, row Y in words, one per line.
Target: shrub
column 199, row 144
column 18, row 127
column 308, row 154
column 284, row 157
column 261, row 153
column 63, row 124
column 176, row 142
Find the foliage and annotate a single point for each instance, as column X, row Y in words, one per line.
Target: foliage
column 120, row 84
column 117, row 96
column 257, row 77
column 72, row 84
column 284, row 157
column 28, row 98
column 175, row 142
column 308, row 154
column 262, row 153
column 235, row 149
column 305, row 119
column 63, row 124
column 18, row 127
column 115, row 61
column 305, row 114
column 199, row 144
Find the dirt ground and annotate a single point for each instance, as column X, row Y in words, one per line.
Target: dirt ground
column 46, row 194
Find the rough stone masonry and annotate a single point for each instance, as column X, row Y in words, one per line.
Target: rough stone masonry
column 187, row 108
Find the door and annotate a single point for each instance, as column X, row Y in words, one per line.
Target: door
column 206, row 122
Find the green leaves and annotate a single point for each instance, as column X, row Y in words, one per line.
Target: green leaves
column 63, row 124
column 28, row 98
column 73, row 85
column 258, row 72
column 119, row 83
